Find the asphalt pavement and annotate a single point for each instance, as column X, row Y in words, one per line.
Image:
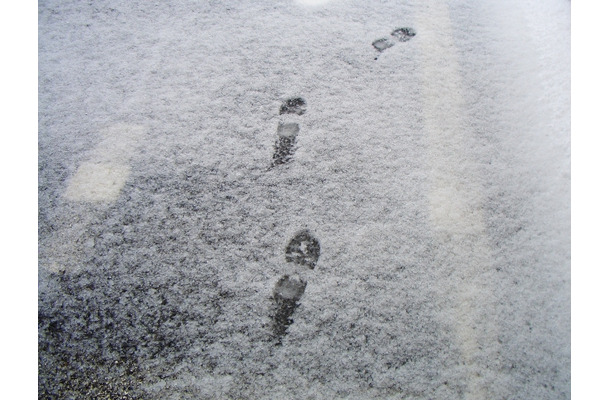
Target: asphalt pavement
column 304, row 199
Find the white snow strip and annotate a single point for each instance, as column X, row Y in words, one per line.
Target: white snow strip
column 455, row 206
column 96, row 181
column 101, row 178
column 99, row 181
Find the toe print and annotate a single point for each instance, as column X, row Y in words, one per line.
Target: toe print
column 303, row 249
column 293, row 106
column 403, row 34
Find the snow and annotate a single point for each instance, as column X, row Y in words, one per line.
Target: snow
column 421, row 211
column 97, row 182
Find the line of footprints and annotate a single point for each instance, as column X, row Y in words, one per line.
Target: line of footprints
column 303, row 249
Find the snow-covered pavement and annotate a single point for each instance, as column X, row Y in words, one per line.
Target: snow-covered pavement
column 304, row 199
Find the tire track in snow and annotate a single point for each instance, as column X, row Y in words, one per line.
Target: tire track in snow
column 454, row 199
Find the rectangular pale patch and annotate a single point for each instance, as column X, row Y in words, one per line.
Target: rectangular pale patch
column 97, row 182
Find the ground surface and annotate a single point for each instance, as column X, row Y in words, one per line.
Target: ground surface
column 282, row 200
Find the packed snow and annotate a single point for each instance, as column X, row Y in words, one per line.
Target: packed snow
column 304, row 199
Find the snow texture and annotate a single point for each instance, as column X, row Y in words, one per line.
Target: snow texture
column 248, row 200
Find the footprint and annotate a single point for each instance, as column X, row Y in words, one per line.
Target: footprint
column 284, row 145
column 287, row 132
column 382, row 44
column 286, row 294
column 296, row 105
column 403, row 34
column 303, row 249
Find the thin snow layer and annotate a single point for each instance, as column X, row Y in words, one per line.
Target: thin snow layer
column 433, row 178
